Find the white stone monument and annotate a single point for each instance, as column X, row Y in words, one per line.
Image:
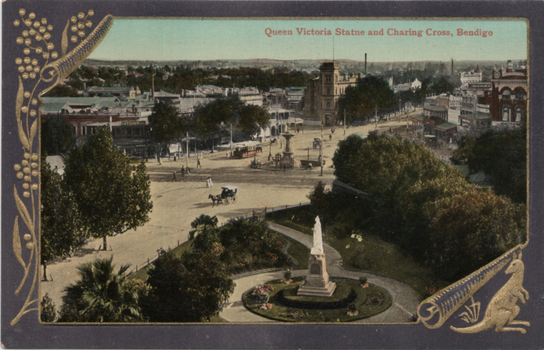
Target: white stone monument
column 317, row 283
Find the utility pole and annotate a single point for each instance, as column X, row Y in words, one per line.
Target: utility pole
column 321, row 150
column 231, row 138
column 187, row 158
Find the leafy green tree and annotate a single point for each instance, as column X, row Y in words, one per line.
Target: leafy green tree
column 441, row 86
column 62, row 231
column 62, row 91
column 245, row 240
column 501, row 155
column 111, row 196
column 166, row 122
column 192, row 288
column 101, row 295
column 252, row 117
column 370, row 93
column 211, row 116
column 57, row 136
column 48, row 312
column 474, row 228
column 319, row 200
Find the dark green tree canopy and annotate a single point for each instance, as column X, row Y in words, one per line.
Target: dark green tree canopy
column 252, row 117
column 501, row 155
column 101, row 295
column 62, row 231
column 230, row 110
column 361, row 100
column 210, row 116
column 166, row 122
column 57, row 136
column 192, row 288
column 111, row 196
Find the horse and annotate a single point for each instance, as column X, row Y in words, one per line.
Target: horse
column 215, row 199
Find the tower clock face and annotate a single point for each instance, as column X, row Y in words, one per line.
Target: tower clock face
column 497, row 75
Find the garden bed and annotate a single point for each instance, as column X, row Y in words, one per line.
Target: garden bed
column 349, row 302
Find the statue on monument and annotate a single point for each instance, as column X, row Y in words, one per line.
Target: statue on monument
column 317, row 282
column 317, row 248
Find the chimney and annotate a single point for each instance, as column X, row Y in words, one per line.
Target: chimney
column 509, row 67
column 365, row 63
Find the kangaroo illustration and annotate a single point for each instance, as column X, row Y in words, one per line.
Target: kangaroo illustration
column 502, row 309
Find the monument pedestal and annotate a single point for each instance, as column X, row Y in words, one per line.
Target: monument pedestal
column 287, row 161
column 317, row 283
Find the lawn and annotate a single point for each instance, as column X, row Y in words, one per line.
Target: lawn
column 383, row 258
column 283, row 300
column 386, row 259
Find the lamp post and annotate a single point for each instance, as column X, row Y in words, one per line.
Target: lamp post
column 400, row 108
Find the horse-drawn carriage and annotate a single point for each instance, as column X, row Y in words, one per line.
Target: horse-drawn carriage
column 228, row 195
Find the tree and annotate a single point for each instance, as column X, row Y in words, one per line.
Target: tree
column 370, row 93
column 202, row 223
column 192, row 288
column 210, row 116
column 62, row 91
column 111, row 196
column 48, row 312
column 57, row 136
column 101, row 295
column 62, row 231
column 252, row 117
column 501, row 155
column 166, row 122
column 472, row 229
column 319, row 198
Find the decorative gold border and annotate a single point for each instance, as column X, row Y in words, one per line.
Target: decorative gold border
column 444, row 304
column 36, row 37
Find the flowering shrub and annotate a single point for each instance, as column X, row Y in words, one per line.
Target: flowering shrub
column 260, row 294
column 266, row 306
column 375, row 299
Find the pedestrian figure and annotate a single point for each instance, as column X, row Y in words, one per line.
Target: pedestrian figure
column 198, row 165
column 174, row 176
column 283, row 167
column 330, row 137
column 182, row 170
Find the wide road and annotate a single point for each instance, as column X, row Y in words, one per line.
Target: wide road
column 176, row 204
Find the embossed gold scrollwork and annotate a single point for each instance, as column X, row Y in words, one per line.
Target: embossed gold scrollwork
column 36, row 37
column 436, row 310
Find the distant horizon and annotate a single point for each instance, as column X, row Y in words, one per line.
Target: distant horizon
column 307, row 59
column 394, row 40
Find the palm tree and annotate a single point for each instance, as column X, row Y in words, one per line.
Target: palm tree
column 101, row 295
column 202, row 223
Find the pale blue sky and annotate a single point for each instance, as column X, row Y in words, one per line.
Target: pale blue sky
column 209, row 39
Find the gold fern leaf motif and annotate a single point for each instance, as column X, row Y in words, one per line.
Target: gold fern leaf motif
column 27, row 122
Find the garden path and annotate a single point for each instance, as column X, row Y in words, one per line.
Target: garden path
column 405, row 299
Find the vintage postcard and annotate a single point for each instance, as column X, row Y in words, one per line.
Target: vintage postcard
column 271, row 175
